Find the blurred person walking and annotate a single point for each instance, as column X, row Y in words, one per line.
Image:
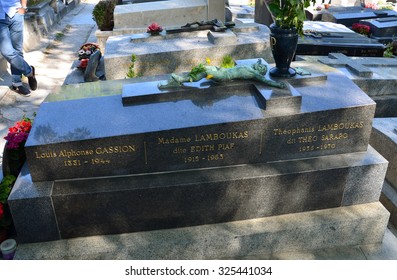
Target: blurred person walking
column 12, row 13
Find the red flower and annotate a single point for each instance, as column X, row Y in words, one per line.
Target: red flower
column 83, row 62
column 154, row 28
column 361, row 28
column 18, row 133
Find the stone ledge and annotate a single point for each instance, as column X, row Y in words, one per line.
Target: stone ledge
column 384, row 140
column 389, row 199
column 343, row 226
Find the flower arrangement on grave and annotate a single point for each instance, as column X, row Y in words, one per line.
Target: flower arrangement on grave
column 14, row 151
column 361, row 29
column 289, row 14
column 85, row 51
column 380, row 5
column 154, row 29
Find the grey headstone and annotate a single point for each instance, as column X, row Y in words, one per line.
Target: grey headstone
column 90, row 71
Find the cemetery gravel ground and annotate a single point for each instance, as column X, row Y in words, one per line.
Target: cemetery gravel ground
column 53, row 61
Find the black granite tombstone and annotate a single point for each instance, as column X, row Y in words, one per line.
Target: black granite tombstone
column 349, row 43
column 382, row 29
column 350, row 15
column 202, row 154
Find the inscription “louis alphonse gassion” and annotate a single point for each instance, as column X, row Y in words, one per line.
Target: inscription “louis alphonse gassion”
column 88, row 152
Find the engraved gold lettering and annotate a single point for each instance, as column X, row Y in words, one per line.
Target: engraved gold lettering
column 179, row 151
column 293, row 131
column 225, row 146
column 340, row 126
column 45, row 155
column 307, row 139
column 71, row 163
column 291, row 141
column 173, row 140
column 221, row 136
column 73, row 153
column 334, row 137
column 202, row 148
column 115, row 149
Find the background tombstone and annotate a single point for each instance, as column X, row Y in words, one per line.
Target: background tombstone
column 262, row 13
column 382, row 29
column 175, row 53
column 350, row 15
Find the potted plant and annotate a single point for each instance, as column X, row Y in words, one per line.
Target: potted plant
column 288, row 17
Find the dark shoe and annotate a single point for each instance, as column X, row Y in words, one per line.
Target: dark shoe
column 21, row 90
column 32, row 79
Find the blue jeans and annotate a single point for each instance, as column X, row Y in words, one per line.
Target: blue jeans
column 11, row 46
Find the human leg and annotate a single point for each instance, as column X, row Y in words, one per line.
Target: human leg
column 11, row 47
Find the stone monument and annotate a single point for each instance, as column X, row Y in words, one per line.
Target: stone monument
column 171, row 52
column 376, row 76
column 350, row 15
column 382, row 29
column 232, row 157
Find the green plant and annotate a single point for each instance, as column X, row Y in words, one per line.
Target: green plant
column 196, row 71
column 5, row 190
column 59, row 36
column 227, row 61
column 388, row 51
column 289, row 13
column 131, row 72
column 103, row 14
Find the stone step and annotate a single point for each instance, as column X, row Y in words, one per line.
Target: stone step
column 384, row 139
column 389, row 199
column 52, row 210
column 261, row 238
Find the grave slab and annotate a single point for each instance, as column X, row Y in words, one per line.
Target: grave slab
column 142, row 143
column 166, row 13
column 381, row 87
column 175, row 53
column 322, row 38
column 350, row 15
column 323, row 43
column 338, row 59
column 382, row 29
